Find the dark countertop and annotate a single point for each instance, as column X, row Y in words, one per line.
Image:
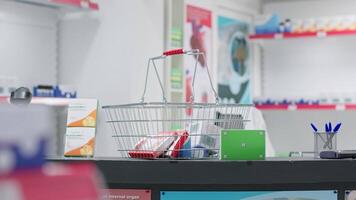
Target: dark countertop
column 284, row 172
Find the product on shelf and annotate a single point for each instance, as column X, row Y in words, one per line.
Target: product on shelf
column 54, row 91
column 285, row 26
column 267, row 24
column 323, row 99
column 288, row 26
column 82, row 113
column 322, row 25
column 309, row 25
column 81, row 126
column 79, row 142
column 300, row 101
column 297, row 26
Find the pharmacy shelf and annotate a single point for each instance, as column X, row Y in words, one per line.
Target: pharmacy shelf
column 50, row 101
column 278, row 36
column 295, row 107
column 65, row 5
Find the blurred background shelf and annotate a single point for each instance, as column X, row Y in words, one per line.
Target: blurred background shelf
column 50, row 101
column 302, row 35
column 63, row 5
column 338, row 107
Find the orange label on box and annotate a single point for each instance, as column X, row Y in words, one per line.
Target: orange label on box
column 82, row 113
column 89, row 121
column 80, row 142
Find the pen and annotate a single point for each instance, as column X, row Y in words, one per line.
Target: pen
column 314, row 127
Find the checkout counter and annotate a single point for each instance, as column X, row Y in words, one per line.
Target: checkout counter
column 294, row 174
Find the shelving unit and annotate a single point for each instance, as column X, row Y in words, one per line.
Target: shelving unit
column 50, row 101
column 294, row 107
column 302, row 35
column 77, row 3
column 64, row 5
column 337, row 107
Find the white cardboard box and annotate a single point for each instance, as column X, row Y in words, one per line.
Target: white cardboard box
column 80, row 141
column 82, row 113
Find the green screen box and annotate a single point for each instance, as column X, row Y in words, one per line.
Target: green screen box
column 239, row 144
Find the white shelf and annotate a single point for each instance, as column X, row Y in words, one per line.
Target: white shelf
column 280, row 36
column 50, row 101
column 295, row 107
column 63, row 5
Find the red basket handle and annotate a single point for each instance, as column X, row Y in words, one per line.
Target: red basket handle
column 173, row 52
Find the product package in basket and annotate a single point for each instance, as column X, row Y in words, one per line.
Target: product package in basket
column 153, row 146
column 178, row 144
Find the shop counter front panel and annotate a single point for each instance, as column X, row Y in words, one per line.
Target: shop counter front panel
column 323, row 177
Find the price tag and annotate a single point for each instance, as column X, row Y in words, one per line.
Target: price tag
column 278, row 36
column 340, row 107
column 321, row 34
column 292, row 107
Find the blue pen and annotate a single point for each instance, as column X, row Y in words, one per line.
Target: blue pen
column 326, row 128
column 329, row 140
column 314, row 127
column 337, row 127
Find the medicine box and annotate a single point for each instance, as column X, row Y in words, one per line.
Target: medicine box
column 79, row 142
column 82, row 113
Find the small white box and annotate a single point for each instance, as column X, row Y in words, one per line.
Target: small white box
column 82, row 113
column 80, row 142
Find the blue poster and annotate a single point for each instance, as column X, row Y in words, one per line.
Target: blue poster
column 285, row 195
column 234, row 61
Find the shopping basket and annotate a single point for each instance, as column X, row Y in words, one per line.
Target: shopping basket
column 164, row 130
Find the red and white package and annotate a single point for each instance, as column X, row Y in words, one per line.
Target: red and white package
column 178, row 144
column 153, row 146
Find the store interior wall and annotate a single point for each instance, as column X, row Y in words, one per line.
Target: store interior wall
column 309, row 67
column 28, row 49
column 302, row 68
column 104, row 55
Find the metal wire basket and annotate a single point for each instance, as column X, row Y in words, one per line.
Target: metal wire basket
column 164, row 130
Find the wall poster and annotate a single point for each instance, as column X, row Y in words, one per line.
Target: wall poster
column 234, row 61
column 198, row 35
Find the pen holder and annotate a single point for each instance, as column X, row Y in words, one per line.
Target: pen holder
column 324, row 142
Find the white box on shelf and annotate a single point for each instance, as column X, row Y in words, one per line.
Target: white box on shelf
column 79, row 142
column 82, row 113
